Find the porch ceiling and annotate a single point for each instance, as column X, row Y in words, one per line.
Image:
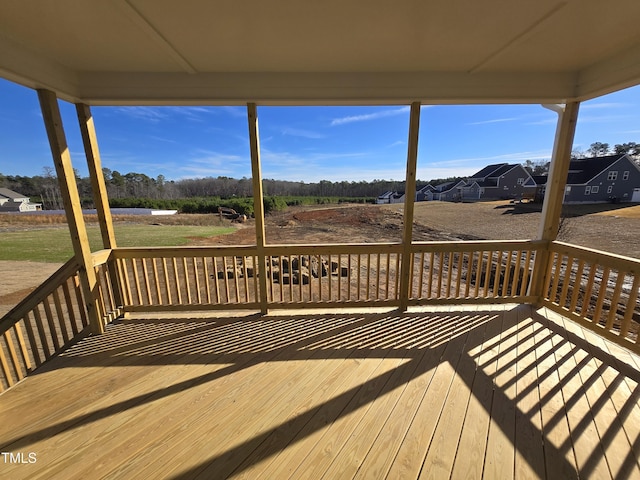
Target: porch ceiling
column 335, row 51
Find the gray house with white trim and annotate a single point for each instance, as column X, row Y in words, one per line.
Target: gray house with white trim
column 504, row 181
column 613, row 178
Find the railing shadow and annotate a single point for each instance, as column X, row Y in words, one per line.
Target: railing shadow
column 483, row 347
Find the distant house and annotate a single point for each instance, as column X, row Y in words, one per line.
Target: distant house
column 613, row 178
column 450, row 191
column 504, row 181
column 390, row 197
column 11, row 201
column 426, row 193
column 460, row 191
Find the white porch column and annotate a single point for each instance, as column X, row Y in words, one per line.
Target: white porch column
column 72, row 207
column 258, row 202
column 409, row 200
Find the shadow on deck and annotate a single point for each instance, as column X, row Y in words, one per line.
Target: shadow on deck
column 494, row 392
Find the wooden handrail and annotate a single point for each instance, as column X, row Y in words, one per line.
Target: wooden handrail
column 597, row 289
column 38, row 295
column 604, row 297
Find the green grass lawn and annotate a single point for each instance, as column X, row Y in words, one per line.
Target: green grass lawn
column 54, row 244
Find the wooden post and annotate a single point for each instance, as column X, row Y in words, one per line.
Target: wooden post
column 72, row 207
column 555, row 190
column 409, row 199
column 100, row 197
column 258, row 202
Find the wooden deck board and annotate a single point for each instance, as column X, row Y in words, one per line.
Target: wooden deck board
column 473, row 392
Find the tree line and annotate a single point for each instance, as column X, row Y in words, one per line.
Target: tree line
column 139, row 189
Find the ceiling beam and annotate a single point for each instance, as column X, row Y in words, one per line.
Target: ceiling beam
column 313, row 88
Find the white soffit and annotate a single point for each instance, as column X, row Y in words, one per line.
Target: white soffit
column 334, row 51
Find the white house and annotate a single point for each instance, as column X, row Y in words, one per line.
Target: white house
column 11, row 201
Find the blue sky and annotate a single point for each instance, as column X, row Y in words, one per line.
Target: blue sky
column 307, row 143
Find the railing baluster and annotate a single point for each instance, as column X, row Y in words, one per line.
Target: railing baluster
column 5, row 370
column 196, row 275
column 552, row 275
column 17, row 368
column 41, row 334
column 216, row 276
column 147, row 285
column 487, row 274
column 450, row 261
column 507, row 274
column 601, row 295
column 478, row 274
column 246, row 279
column 397, row 277
column 137, row 280
column 53, row 334
column 187, row 282
column 516, row 273
column 459, row 274
column 577, row 286
column 588, row 291
column 124, row 274
column 207, row 283
column 526, row 273
column 32, row 339
column 613, row 308
column 23, row 348
column 60, row 315
column 156, row 280
column 498, row 274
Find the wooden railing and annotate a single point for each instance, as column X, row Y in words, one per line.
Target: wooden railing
column 598, row 289
column 188, row 278
column 52, row 317
column 472, row 272
column 324, row 275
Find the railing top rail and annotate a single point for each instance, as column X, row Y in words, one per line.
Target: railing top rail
column 182, row 251
column 101, row 257
column 39, row 294
column 629, row 264
column 474, row 245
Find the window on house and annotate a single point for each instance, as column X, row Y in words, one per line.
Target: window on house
column 587, row 190
column 625, row 175
column 521, row 181
column 595, row 189
column 613, row 175
column 610, row 189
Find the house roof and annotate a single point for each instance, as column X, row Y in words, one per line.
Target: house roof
column 489, row 171
column 582, row 170
column 334, row 52
column 5, row 192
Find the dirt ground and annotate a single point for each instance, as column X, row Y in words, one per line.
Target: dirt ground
column 612, row 228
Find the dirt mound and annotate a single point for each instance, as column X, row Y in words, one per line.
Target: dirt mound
column 351, row 216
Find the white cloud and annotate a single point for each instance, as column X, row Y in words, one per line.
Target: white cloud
column 150, row 114
column 370, row 116
column 496, row 120
column 297, row 132
column 607, row 105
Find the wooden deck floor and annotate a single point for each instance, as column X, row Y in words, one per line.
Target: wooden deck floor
column 493, row 392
